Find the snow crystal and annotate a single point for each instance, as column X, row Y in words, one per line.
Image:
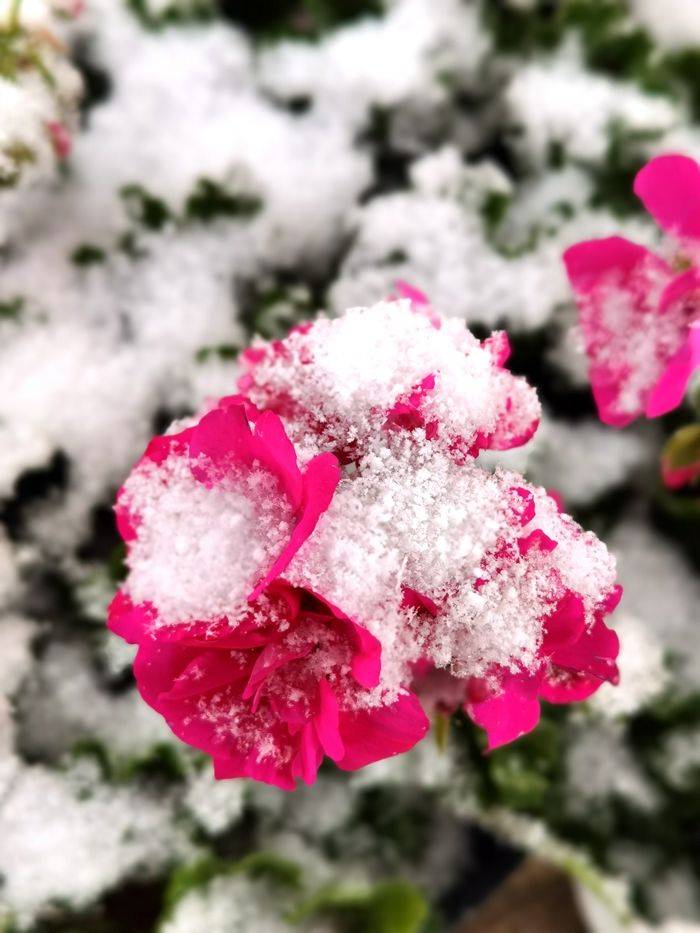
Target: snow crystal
column 643, row 673
column 371, row 358
column 673, row 24
column 228, row 904
column 200, row 549
column 663, row 594
column 585, row 460
column 600, row 767
column 215, row 805
column 559, row 102
column 109, row 831
column 413, row 518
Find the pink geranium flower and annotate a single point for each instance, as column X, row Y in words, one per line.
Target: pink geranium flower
column 282, row 608
column 255, row 468
column 270, row 695
column 574, row 658
column 639, row 312
column 265, row 678
column 574, row 661
column 401, row 365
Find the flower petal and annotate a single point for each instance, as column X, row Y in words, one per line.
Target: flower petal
column 381, row 732
column 669, row 187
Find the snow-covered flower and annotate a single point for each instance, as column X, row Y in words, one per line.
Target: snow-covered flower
column 281, row 612
column 639, row 312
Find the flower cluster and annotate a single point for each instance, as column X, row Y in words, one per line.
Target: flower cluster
column 320, row 557
column 640, row 312
column 39, row 90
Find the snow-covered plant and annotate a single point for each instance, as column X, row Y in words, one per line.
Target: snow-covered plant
column 312, row 551
column 237, row 166
column 39, row 90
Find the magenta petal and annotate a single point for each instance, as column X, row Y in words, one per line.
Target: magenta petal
column 309, row 757
column 131, row 622
column 156, row 668
column 222, row 436
column 565, row 625
column 321, row 477
column 593, row 653
column 561, row 686
column 669, row 391
column 588, row 262
column 241, row 766
column 411, row 292
column 669, row 187
column 271, row 659
column 508, row 715
column 412, row 599
column 381, row 732
column 276, row 453
column 366, row 662
column 326, row 722
column 617, row 284
column 537, row 539
column 208, row 671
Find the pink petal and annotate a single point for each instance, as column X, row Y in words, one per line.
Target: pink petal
column 271, row 659
column 131, row 622
column 276, row 452
column 593, row 653
column 309, row 757
column 560, row 686
column 536, row 539
column 326, row 722
column 411, row 292
column 669, row 187
column 669, row 391
column 498, row 346
column 381, row 732
column 565, row 625
column 412, row 599
column 511, row 713
column 320, row 480
column 617, row 287
column 156, row 668
column 678, row 477
column 208, row 671
column 267, row 770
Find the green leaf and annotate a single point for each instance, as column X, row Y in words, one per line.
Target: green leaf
column 210, row 200
column 144, row 208
column 388, row 907
column 87, row 255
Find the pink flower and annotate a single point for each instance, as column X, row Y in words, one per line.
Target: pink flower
column 575, row 656
column 262, row 585
column 269, row 696
column 640, row 314
column 574, row 662
column 253, row 469
column 396, row 365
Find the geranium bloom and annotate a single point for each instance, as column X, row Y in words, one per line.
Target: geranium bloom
column 270, row 694
column 282, row 610
column 264, row 679
column 575, row 654
column 639, row 312
column 397, row 364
